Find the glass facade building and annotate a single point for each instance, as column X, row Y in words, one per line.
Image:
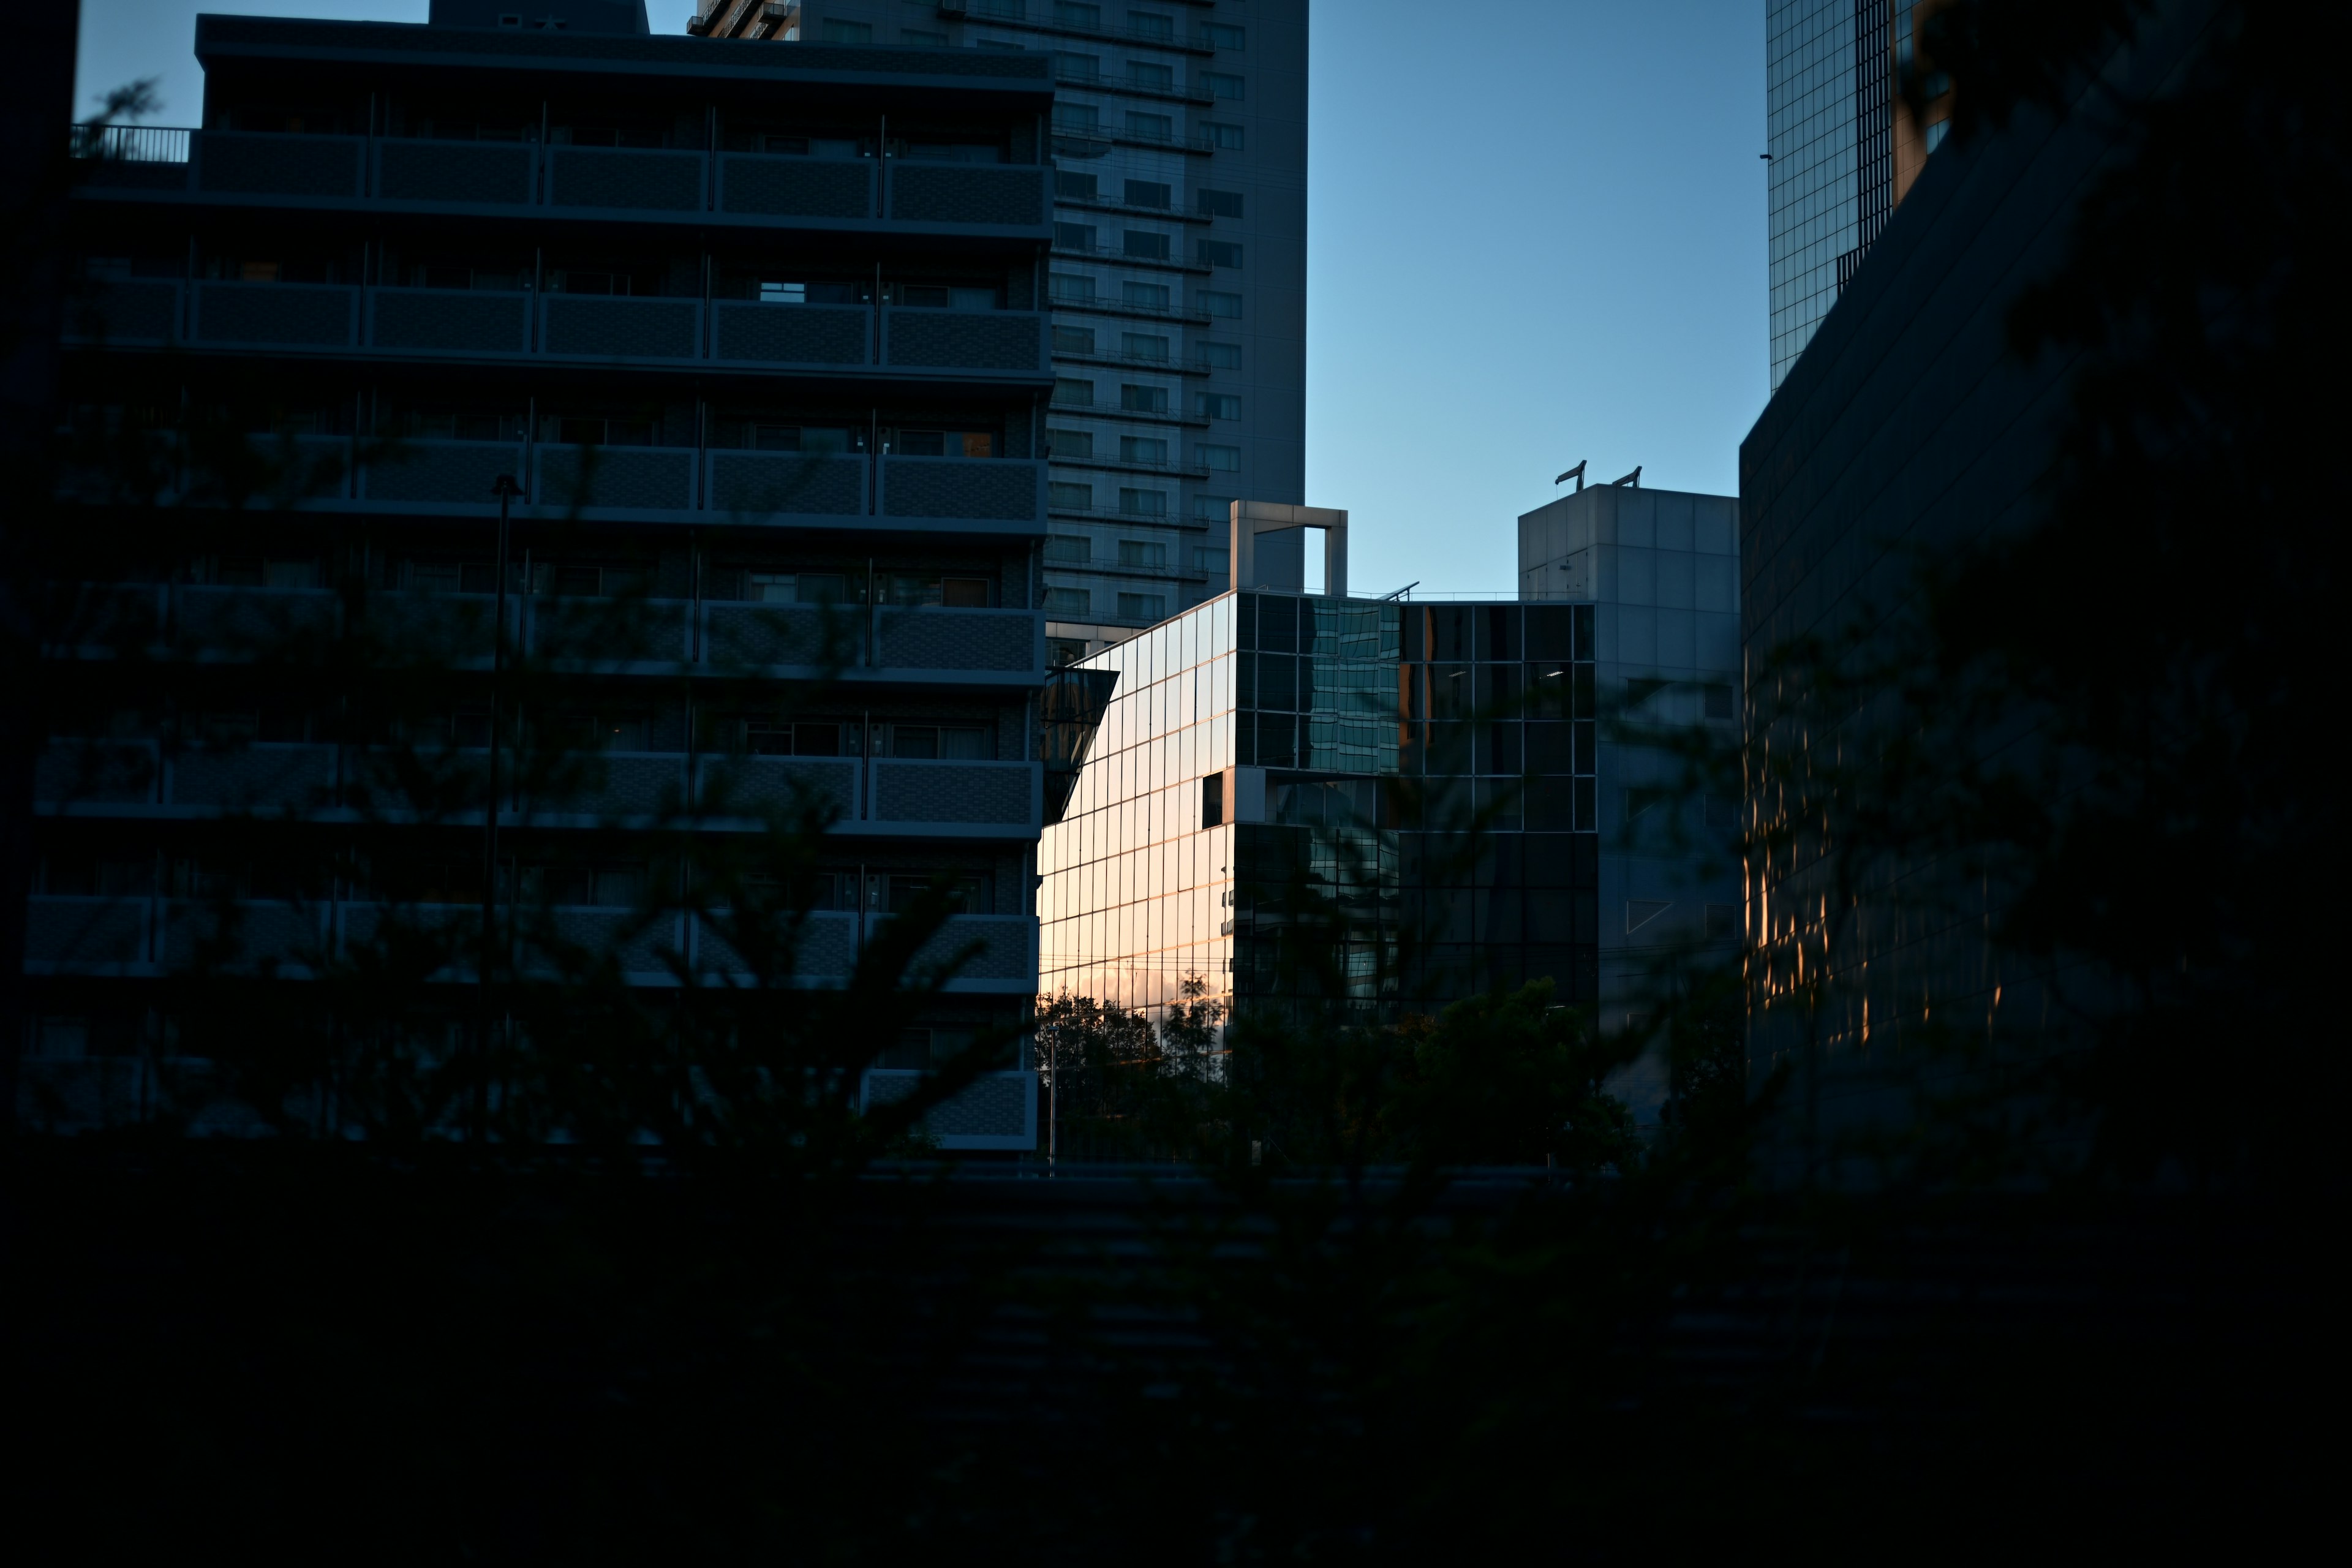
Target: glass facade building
column 1844, row 148
column 1281, row 800
column 1298, row 797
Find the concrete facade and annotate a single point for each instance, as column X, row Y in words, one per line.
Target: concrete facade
column 1179, row 268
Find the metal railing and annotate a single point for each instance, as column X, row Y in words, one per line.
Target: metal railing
column 1015, row 12
column 1104, row 305
column 1164, row 363
column 1178, row 92
column 132, row 143
column 1175, row 261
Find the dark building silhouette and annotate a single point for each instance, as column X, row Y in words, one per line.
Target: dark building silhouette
column 758, row 383
column 1906, row 432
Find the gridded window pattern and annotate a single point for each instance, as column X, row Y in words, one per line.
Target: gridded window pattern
column 1136, row 893
column 1161, row 870
column 1810, row 122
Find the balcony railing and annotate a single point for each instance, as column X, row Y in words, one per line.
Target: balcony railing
column 1016, row 14
column 1103, row 253
column 1069, row 74
column 893, row 796
column 740, row 486
column 338, row 319
column 1102, row 305
column 223, row 625
column 144, row 934
column 588, row 180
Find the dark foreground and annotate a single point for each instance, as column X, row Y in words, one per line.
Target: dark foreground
column 304, row 1352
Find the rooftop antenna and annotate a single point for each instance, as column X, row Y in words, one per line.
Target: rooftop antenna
column 1576, row 473
column 1634, row 478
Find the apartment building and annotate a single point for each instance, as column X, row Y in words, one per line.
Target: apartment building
column 771, row 408
column 1179, row 276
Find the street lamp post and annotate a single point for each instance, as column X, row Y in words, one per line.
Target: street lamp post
column 505, row 488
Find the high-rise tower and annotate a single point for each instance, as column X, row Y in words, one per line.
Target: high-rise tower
column 1844, row 144
column 1179, row 273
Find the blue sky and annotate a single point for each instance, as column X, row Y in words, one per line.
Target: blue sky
column 1536, row 233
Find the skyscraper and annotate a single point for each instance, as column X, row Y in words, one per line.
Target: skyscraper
column 1179, row 273
column 1843, row 147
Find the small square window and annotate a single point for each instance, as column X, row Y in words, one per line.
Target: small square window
column 1222, row 84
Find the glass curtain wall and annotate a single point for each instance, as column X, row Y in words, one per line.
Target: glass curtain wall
column 1137, row 879
column 1409, row 814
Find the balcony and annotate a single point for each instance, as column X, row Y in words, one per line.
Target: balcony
column 995, row 490
column 933, row 341
column 594, row 328
column 748, row 787
column 965, row 795
column 246, row 936
column 610, row 631
column 274, row 315
column 610, row 478
column 92, row 935
column 432, row 472
column 792, row 337
column 754, row 184
column 966, row 196
column 996, row 1110
column 467, row 322
column 217, row 623
column 633, row 183
column 255, row 164
column 133, row 312
column 625, row 180
column 929, row 643
column 460, row 323
column 766, row 636
column 1103, row 305
column 943, row 639
column 785, row 484
column 141, row 935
